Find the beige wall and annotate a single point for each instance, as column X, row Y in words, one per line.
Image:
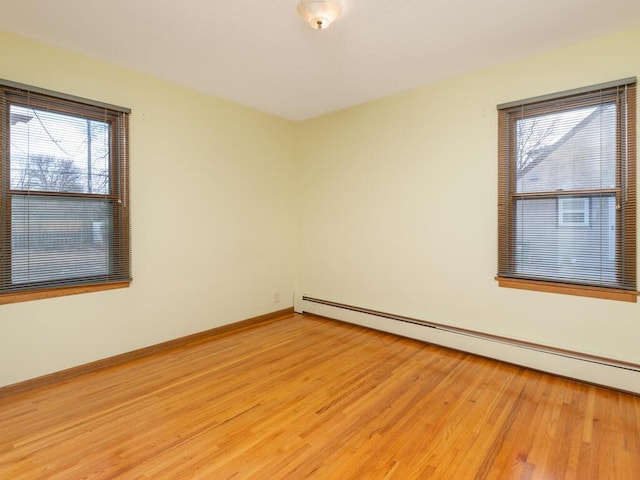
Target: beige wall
column 398, row 205
column 219, row 173
column 389, row 206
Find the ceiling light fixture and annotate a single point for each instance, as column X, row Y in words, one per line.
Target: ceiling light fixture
column 319, row 13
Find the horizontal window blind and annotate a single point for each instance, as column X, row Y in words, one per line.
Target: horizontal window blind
column 567, row 188
column 64, row 212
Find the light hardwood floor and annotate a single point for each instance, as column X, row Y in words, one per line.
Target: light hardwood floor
column 309, row 398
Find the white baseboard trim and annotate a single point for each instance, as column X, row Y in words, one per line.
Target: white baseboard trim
column 600, row 371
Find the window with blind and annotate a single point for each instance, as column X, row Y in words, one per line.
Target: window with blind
column 64, row 206
column 567, row 192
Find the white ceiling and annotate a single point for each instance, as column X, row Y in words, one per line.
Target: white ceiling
column 259, row 53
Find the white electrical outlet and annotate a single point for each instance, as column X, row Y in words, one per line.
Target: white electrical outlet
column 276, row 297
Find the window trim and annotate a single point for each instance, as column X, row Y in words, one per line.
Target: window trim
column 568, row 93
column 568, row 289
column 506, row 275
column 61, row 96
column 17, row 297
column 120, row 277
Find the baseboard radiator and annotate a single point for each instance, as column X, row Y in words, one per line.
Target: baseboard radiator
column 589, row 368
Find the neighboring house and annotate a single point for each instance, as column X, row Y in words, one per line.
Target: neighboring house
column 567, row 236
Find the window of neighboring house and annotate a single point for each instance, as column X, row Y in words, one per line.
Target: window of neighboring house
column 573, row 211
column 567, row 192
column 64, row 203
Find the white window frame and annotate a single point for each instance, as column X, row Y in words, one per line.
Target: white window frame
column 567, row 209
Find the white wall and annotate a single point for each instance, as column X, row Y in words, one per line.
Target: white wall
column 398, row 205
column 213, row 217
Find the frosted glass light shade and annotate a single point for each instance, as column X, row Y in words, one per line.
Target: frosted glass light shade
column 319, row 13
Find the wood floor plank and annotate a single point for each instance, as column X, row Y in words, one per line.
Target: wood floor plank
column 310, row 398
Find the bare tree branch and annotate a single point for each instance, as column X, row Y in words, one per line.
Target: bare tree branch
column 49, row 173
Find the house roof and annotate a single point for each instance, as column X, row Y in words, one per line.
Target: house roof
column 537, row 155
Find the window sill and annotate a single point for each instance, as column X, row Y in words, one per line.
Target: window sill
column 6, row 298
column 579, row 290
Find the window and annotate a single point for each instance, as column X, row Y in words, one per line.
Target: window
column 574, row 211
column 567, row 192
column 64, row 206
